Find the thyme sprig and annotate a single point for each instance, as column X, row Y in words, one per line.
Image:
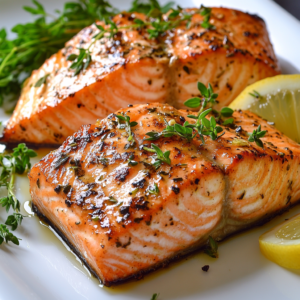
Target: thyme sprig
column 155, row 28
column 256, row 136
column 205, row 127
column 208, row 98
column 172, row 129
column 18, row 162
column 256, row 95
column 125, row 123
column 161, row 157
column 38, row 40
column 206, row 13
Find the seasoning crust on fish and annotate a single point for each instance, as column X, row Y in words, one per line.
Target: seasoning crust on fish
column 133, row 68
column 124, row 217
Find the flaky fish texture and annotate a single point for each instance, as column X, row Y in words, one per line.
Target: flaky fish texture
column 124, row 217
column 131, row 68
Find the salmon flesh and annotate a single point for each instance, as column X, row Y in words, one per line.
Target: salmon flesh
column 124, row 217
column 131, row 68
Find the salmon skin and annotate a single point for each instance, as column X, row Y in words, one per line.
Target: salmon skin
column 126, row 218
column 131, row 68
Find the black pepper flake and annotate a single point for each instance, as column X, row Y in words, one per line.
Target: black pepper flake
column 122, row 174
column 137, row 220
column 66, row 188
column 186, row 69
column 239, row 129
column 197, row 180
column 175, row 189
column 38, row 183
column 124, row 210
column 177, row 179
column 139, row 184
column 205, row 268
column 68, row 202
column 57, row 189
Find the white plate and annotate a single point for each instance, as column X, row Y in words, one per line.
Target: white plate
column 42, row 268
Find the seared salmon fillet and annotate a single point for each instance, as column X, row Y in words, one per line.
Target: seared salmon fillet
column 124, row 217
column 132, row 68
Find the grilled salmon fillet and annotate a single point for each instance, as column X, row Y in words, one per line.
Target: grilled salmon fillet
column 124, row 218
column 133, row 68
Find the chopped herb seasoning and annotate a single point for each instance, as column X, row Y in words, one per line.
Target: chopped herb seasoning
column 212, row 248
column 177, row 179
column 60, row 161
column 154, row 190
column 256, row 95
column 41, row 81
column 161, row 157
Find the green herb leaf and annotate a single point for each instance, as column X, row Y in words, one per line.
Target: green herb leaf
column 124, row 122
column 193, row 102
column 154, row 296
column 227, row 112
column 212, row 248
column 41, row 81
column 153, row 189
column 256, row 95
column 6, row 236
column 161, row 157
column 14, row 220
column 256, row 136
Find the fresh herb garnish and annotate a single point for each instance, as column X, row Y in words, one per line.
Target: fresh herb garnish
column 41, row 81
column 154, row 296
column 161, row 157
column 153, row 189
column 125, row 123
column 256, row 95
column 209, row 97
column 212, row 248
column 18, row 162
column 132, row 162
column 256, row 136
column 206, row 13
column 171, row 130
column 38, row 40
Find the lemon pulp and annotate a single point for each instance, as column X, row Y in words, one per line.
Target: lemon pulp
column 282, row 108
column 290, row 231
column 278, row 101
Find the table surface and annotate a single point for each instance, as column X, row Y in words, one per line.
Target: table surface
column 292, row 6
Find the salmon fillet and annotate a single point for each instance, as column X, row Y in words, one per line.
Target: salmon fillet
column 131, row 68
column 125, row 218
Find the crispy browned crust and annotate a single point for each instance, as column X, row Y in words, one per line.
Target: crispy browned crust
column 177, row 256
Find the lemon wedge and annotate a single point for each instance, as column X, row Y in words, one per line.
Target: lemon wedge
column 276, row 99
column 282, row 243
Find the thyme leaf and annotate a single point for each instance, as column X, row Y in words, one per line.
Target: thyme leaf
column 125, row 120
column 17, row 162
column 212, row 248
column 161, row 157
column 256, row 95
column 256, row 136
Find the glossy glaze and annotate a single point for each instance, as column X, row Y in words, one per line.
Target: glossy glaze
column 133, row 69
column 122, row 230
